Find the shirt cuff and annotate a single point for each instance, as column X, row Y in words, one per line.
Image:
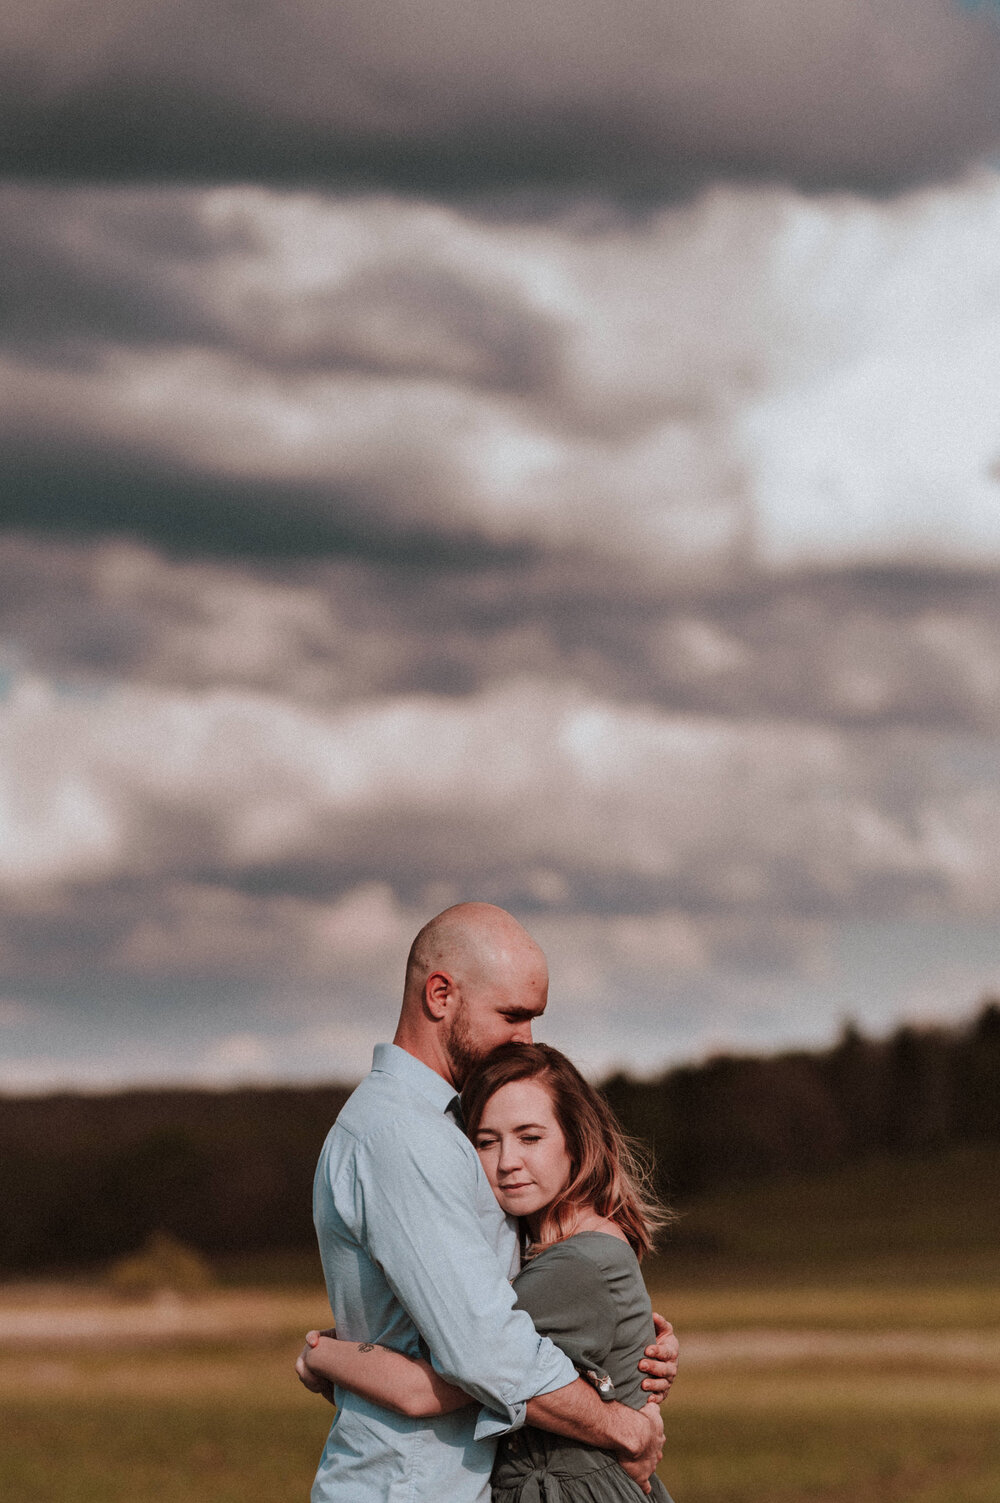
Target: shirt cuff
column 490, row 1423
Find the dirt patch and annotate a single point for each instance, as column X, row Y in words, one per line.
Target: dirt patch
column 89, row 1319
column 770, row 1348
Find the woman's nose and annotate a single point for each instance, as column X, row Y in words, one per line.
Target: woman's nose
column 509, row 1156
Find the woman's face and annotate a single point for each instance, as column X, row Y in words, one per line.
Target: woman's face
column 523, row 1150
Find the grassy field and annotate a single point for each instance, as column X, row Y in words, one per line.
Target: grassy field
column 840, row 1344
column 918, row 1297
column 786, row 1441
column 892, row 1410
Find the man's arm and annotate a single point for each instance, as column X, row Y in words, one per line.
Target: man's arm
column 410, row 1386
column 578, row 1412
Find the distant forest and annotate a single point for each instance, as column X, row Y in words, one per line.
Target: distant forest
column 84, row 1179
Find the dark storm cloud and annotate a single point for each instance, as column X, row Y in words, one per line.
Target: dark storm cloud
column 442, row 96
column 296, row 374
column 125, row 272
column 84, row 491
column 385, row 450
column 86, row 268
column 852, row 648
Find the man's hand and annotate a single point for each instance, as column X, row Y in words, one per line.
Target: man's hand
column 660, row 1361
column 306, row 1376
column 641, row 1466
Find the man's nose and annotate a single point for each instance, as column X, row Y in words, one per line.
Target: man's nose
column 522, row 1034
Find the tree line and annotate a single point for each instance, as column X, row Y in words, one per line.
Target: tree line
column 84, row 1179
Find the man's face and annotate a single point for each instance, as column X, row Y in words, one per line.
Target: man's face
column 490, row 1014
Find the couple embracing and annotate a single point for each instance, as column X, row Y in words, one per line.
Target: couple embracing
column 493, row 1334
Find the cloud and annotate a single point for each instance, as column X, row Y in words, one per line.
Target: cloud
column 13, row 1012
column 786, row 512
column 630, row 810
column 845, row 648
column 632, row 564
column 516, row 387
column 642, row 991
column 849, row 91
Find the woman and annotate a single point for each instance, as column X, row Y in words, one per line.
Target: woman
column 556, row 1159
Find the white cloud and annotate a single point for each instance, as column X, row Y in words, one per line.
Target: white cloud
column 617, row 801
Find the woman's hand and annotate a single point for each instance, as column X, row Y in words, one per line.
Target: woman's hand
column 309, row 1379
column 660, row 1361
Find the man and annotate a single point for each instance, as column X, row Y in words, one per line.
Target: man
column 418, row 1255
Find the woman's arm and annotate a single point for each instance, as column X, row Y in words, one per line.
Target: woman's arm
column 407, row 1385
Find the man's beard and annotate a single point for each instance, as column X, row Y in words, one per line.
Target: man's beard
column 463, row 1053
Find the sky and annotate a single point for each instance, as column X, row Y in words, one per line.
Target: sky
column 548, row 455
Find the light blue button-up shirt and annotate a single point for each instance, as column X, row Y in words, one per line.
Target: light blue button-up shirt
column 418, row 1256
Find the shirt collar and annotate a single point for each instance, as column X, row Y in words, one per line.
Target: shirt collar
column 392, row 1060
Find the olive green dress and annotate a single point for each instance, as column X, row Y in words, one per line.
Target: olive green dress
column 587, row 1294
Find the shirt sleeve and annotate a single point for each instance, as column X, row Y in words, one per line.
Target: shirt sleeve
column 570, row 1301
column 415, row 1203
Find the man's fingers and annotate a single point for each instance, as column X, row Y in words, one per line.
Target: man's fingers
column 662, row 1357
column 666, row 1354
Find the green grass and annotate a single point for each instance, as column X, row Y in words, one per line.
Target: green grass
column 722, row 1454
column 761, row 1446
column 199, row 1450
column 232, row 1426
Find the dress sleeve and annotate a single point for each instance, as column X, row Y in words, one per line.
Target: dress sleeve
column 415, row 1207
column 570, row 1301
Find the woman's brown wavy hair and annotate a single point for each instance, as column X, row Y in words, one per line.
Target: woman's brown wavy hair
column 610, row 1173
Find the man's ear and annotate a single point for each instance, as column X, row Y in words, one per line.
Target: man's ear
column 439, row 991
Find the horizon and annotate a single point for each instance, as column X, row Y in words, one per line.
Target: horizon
column 952, row 1028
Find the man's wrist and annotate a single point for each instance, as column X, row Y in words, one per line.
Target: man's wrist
column 633, row 1433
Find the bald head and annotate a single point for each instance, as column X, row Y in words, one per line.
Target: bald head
column 475, row 978
column 474, row 941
